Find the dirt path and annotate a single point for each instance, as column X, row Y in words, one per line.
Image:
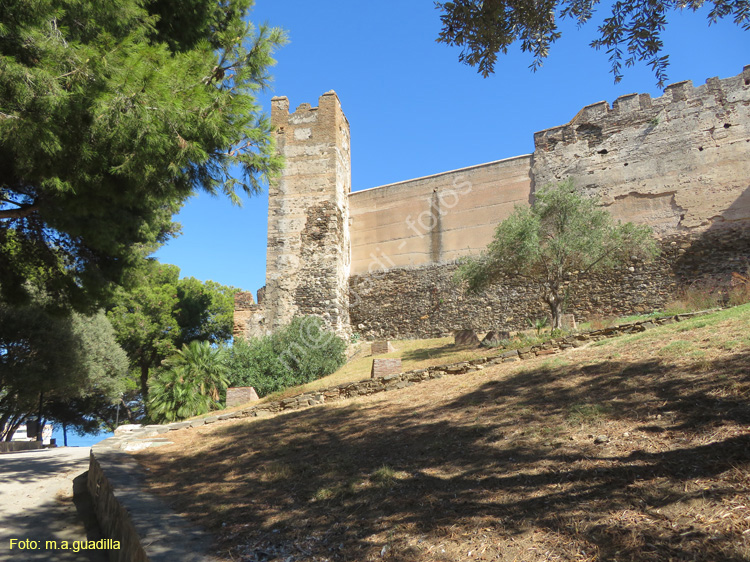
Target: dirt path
column 36, row 503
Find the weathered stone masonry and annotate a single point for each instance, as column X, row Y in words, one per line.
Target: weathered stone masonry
column 425, row 302
column 679, row 163
column 308, row 251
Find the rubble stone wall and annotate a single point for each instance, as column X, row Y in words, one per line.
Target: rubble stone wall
column 425, row 302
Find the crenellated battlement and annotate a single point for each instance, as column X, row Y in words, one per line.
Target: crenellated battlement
column 678, row 162
column 631, row 109
column 328, row 104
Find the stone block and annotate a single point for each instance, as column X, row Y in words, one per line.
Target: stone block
column 156, row 429
column 568, row 322
column 241, row 395
column 127, row 428
column 385, row 367
column 381, row 347
column 493, row 338
column 465, row 338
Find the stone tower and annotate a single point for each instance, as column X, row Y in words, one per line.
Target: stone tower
column 308, row 255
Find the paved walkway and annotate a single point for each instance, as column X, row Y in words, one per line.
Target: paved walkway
column 36, row 503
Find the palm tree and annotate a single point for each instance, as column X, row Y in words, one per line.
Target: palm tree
column 173, row 397
column 191, row 385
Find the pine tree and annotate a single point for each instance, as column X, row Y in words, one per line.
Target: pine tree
column 111, row 115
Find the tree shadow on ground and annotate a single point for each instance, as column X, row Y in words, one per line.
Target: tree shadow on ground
column 57, row 527
column 25, row 467
column 450, row 349
column 504, row 465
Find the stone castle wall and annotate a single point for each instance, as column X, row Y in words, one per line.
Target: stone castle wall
column 425, row 302
column 679, row 163
column 435, row 219
column 248, row 316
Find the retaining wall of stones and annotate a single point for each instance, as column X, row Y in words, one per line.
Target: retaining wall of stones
column 426, row 302
column 408, row 378
column 13, row 446
column 147, row 530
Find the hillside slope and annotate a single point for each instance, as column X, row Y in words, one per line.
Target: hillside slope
column 630, row 449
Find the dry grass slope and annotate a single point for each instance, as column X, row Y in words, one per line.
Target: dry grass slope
column 632, row 449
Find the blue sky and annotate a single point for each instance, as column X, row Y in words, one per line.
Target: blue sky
column 414, row 110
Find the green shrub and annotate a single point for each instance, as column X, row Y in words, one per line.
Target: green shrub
column 296, row 354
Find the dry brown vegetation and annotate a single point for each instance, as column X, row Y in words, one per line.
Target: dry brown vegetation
column 632, row 449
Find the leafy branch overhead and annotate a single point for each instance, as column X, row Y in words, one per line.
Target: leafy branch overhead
column 630, row 33
column 107, row 126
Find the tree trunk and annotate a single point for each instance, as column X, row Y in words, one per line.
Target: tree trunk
column 3, row 421
column 40, row 421
column 128, row 412
column 144, row 386
column 15, row 422
column 555, row 304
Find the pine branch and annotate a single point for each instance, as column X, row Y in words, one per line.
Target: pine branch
column 21, row 212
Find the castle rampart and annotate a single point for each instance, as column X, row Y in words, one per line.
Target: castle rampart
column 435, row 219
column 679, row 163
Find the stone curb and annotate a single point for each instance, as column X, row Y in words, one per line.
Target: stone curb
column 146, row 528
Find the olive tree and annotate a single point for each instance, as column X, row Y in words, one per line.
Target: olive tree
column 562, row 237
column 630, row 33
